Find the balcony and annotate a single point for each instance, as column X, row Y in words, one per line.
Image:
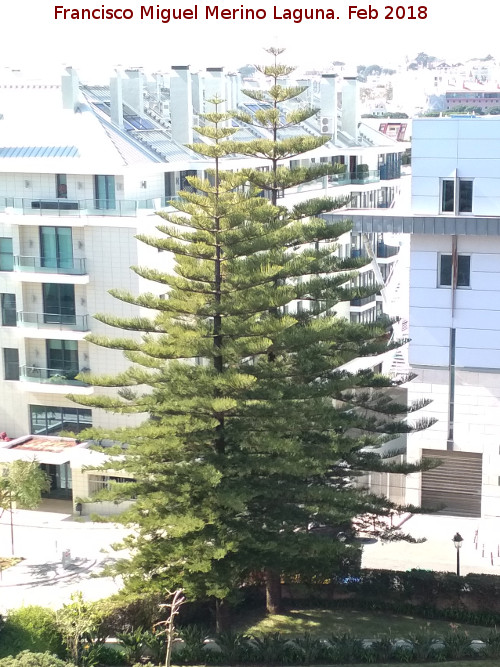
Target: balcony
column 42, row 324
column 364, row 301
column 385, row 251
column 78, row 208
column 364, row 177
column 73, row 267
column 40, row 269
column 53, row 380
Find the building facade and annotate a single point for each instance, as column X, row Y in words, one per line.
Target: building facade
column 83, row 169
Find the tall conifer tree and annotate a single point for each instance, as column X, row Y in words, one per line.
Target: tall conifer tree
column 245, row 462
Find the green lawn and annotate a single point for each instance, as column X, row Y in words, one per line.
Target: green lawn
column 366, row 624
column 456, row 663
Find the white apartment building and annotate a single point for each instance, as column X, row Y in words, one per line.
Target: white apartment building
column 83, row 169
column 454, row 313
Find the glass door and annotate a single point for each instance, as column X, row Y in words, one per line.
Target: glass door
column 56, row 247
column 104, row 188
column 62, row 358
column 58, row 304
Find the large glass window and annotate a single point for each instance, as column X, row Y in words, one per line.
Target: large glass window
column 50, row 420
column 58, row 304
column 463, row 270
column 6, row 255
column 9, row 310
column 10, row 363
column 56, row 245
column 464, row 196
column 62, row 358
column 104, row 187
column 448, row 196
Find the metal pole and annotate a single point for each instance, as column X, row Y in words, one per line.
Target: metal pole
column 11, row 522
column 458, row 562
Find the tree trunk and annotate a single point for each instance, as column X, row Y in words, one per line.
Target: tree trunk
column 222, row 615
column 273, row 591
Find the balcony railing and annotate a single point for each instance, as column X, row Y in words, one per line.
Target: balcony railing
column 357, row 303
column 29, row 264
column 384, row 250
column 362, row 177
column 62, row 321
column 75, row 208
column 49, row 376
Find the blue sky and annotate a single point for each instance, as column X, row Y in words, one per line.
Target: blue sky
column 453, row 30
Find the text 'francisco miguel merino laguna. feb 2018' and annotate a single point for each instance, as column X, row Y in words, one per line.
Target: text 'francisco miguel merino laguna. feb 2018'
column 240, row 13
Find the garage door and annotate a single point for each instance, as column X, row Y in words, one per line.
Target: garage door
column 455, row 487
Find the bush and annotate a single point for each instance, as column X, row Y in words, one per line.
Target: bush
column 30, row 659
column 31, row 628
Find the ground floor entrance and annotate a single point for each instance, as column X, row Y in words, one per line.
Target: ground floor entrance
column 60, row 480
column 454, row 488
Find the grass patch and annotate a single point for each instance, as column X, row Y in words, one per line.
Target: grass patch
column 366, row 624
column 8, row 562
column 453, row 663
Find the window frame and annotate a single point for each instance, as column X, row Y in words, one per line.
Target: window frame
column 440, row 284
column 6, row 255
column 5, row 309
column 9, row 363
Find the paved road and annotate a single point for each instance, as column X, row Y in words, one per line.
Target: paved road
column 41, row 537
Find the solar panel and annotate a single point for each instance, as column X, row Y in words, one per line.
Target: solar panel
column 38, row 151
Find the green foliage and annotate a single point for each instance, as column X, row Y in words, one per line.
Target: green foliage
column 31, row 628
column 254, row 434
column 133, row 643
column 30, row 659
column 79, row 623
column 23, row 485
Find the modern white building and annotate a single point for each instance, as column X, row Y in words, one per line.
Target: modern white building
column 83, row 169
column 453, row 225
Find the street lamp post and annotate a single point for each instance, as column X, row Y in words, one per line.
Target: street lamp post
column 457, row 541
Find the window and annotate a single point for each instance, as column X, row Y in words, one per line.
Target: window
column 99, row 482
column 50, row 420
column 448, row 204
column 104, row 187
column 61, row 186
column 9, row 310
column 10, row 363
column 6, row 255
column 58, row 304
column 448, row 197
column 62, row 358
column 463, row 271
column 56, row 244
column 464, row 196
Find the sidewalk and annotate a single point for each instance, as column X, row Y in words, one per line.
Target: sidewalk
column 41, row 578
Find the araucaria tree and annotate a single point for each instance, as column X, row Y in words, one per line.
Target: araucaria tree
column 253, row 434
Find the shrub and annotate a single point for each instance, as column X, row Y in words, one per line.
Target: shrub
column 30, row 659
column 31, row 628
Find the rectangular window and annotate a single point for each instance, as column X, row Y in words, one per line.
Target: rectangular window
column 10, row 363
column 62, row 358
column 6, row 255
column 61, row 186
column 50, row 420
column 56, row 244
column 104, row 188
column 448, row 196
column 9, row 318
column 463, row 271
column 464, row 196
column 58, row 304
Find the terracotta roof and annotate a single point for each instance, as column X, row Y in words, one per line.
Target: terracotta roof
column 46, row 444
